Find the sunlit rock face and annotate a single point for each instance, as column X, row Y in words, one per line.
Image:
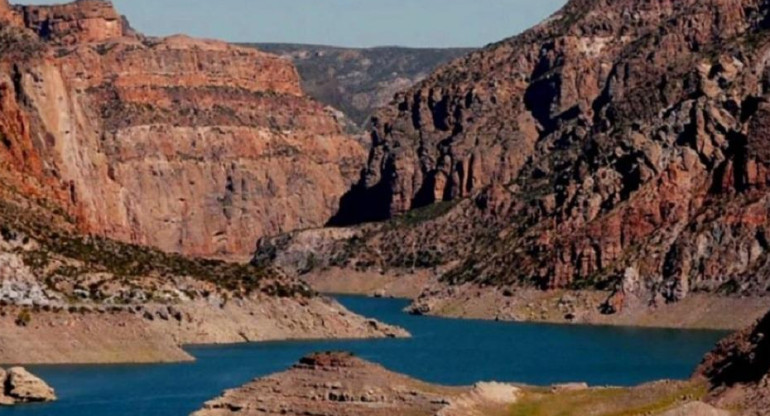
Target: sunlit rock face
column 192, row 146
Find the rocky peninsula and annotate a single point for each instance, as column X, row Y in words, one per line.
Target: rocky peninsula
column 338, row 384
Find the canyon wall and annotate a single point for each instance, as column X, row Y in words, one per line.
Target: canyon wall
column 190, row 146
column 618, row 145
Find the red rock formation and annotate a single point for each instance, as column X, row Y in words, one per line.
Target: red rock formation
column 69, row 24
column 619, row 144
column 192, row 146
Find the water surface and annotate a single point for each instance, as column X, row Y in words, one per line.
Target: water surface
column 444, row 351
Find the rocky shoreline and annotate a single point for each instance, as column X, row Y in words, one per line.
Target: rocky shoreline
column 515, row 304
column 732, row 380
column 587, row 307
column 157, row 333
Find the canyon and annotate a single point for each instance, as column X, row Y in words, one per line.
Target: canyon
column 605, row 166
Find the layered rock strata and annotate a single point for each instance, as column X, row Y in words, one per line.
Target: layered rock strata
column 340, row 384
column 191, row 146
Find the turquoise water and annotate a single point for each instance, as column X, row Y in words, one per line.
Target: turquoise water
column 443, row 351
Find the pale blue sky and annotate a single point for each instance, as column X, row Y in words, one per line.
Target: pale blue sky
column 429, row 23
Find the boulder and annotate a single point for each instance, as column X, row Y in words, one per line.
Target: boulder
column 20, row 386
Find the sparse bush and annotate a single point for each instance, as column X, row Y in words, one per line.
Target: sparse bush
column 24, row 318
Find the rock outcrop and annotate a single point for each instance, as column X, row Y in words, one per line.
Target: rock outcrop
column 17, row 385
column 341, row 384
column 191, row 146
column 616, row 146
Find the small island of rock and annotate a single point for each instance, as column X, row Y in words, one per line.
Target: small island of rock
column 18, row 385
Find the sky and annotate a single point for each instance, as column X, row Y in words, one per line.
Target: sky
column 353, row 23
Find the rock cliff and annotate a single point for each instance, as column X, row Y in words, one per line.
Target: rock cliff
column 190, row 146
column 618, row 145
column 123, row 159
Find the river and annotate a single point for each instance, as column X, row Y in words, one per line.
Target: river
column 454, row 352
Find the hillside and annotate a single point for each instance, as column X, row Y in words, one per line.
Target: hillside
column 359, row 81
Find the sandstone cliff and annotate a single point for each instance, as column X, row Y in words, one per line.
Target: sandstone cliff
column 619, row 146
column 190, row 146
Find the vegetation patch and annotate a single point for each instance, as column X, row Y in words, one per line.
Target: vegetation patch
column 645, row 400
column 93, row 254
column 420, row 215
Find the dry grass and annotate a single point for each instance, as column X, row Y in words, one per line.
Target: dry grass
column 650, row 399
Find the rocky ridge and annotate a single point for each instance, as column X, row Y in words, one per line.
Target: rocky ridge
column 739, row 370
column 60, row 288
column 616, row 147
